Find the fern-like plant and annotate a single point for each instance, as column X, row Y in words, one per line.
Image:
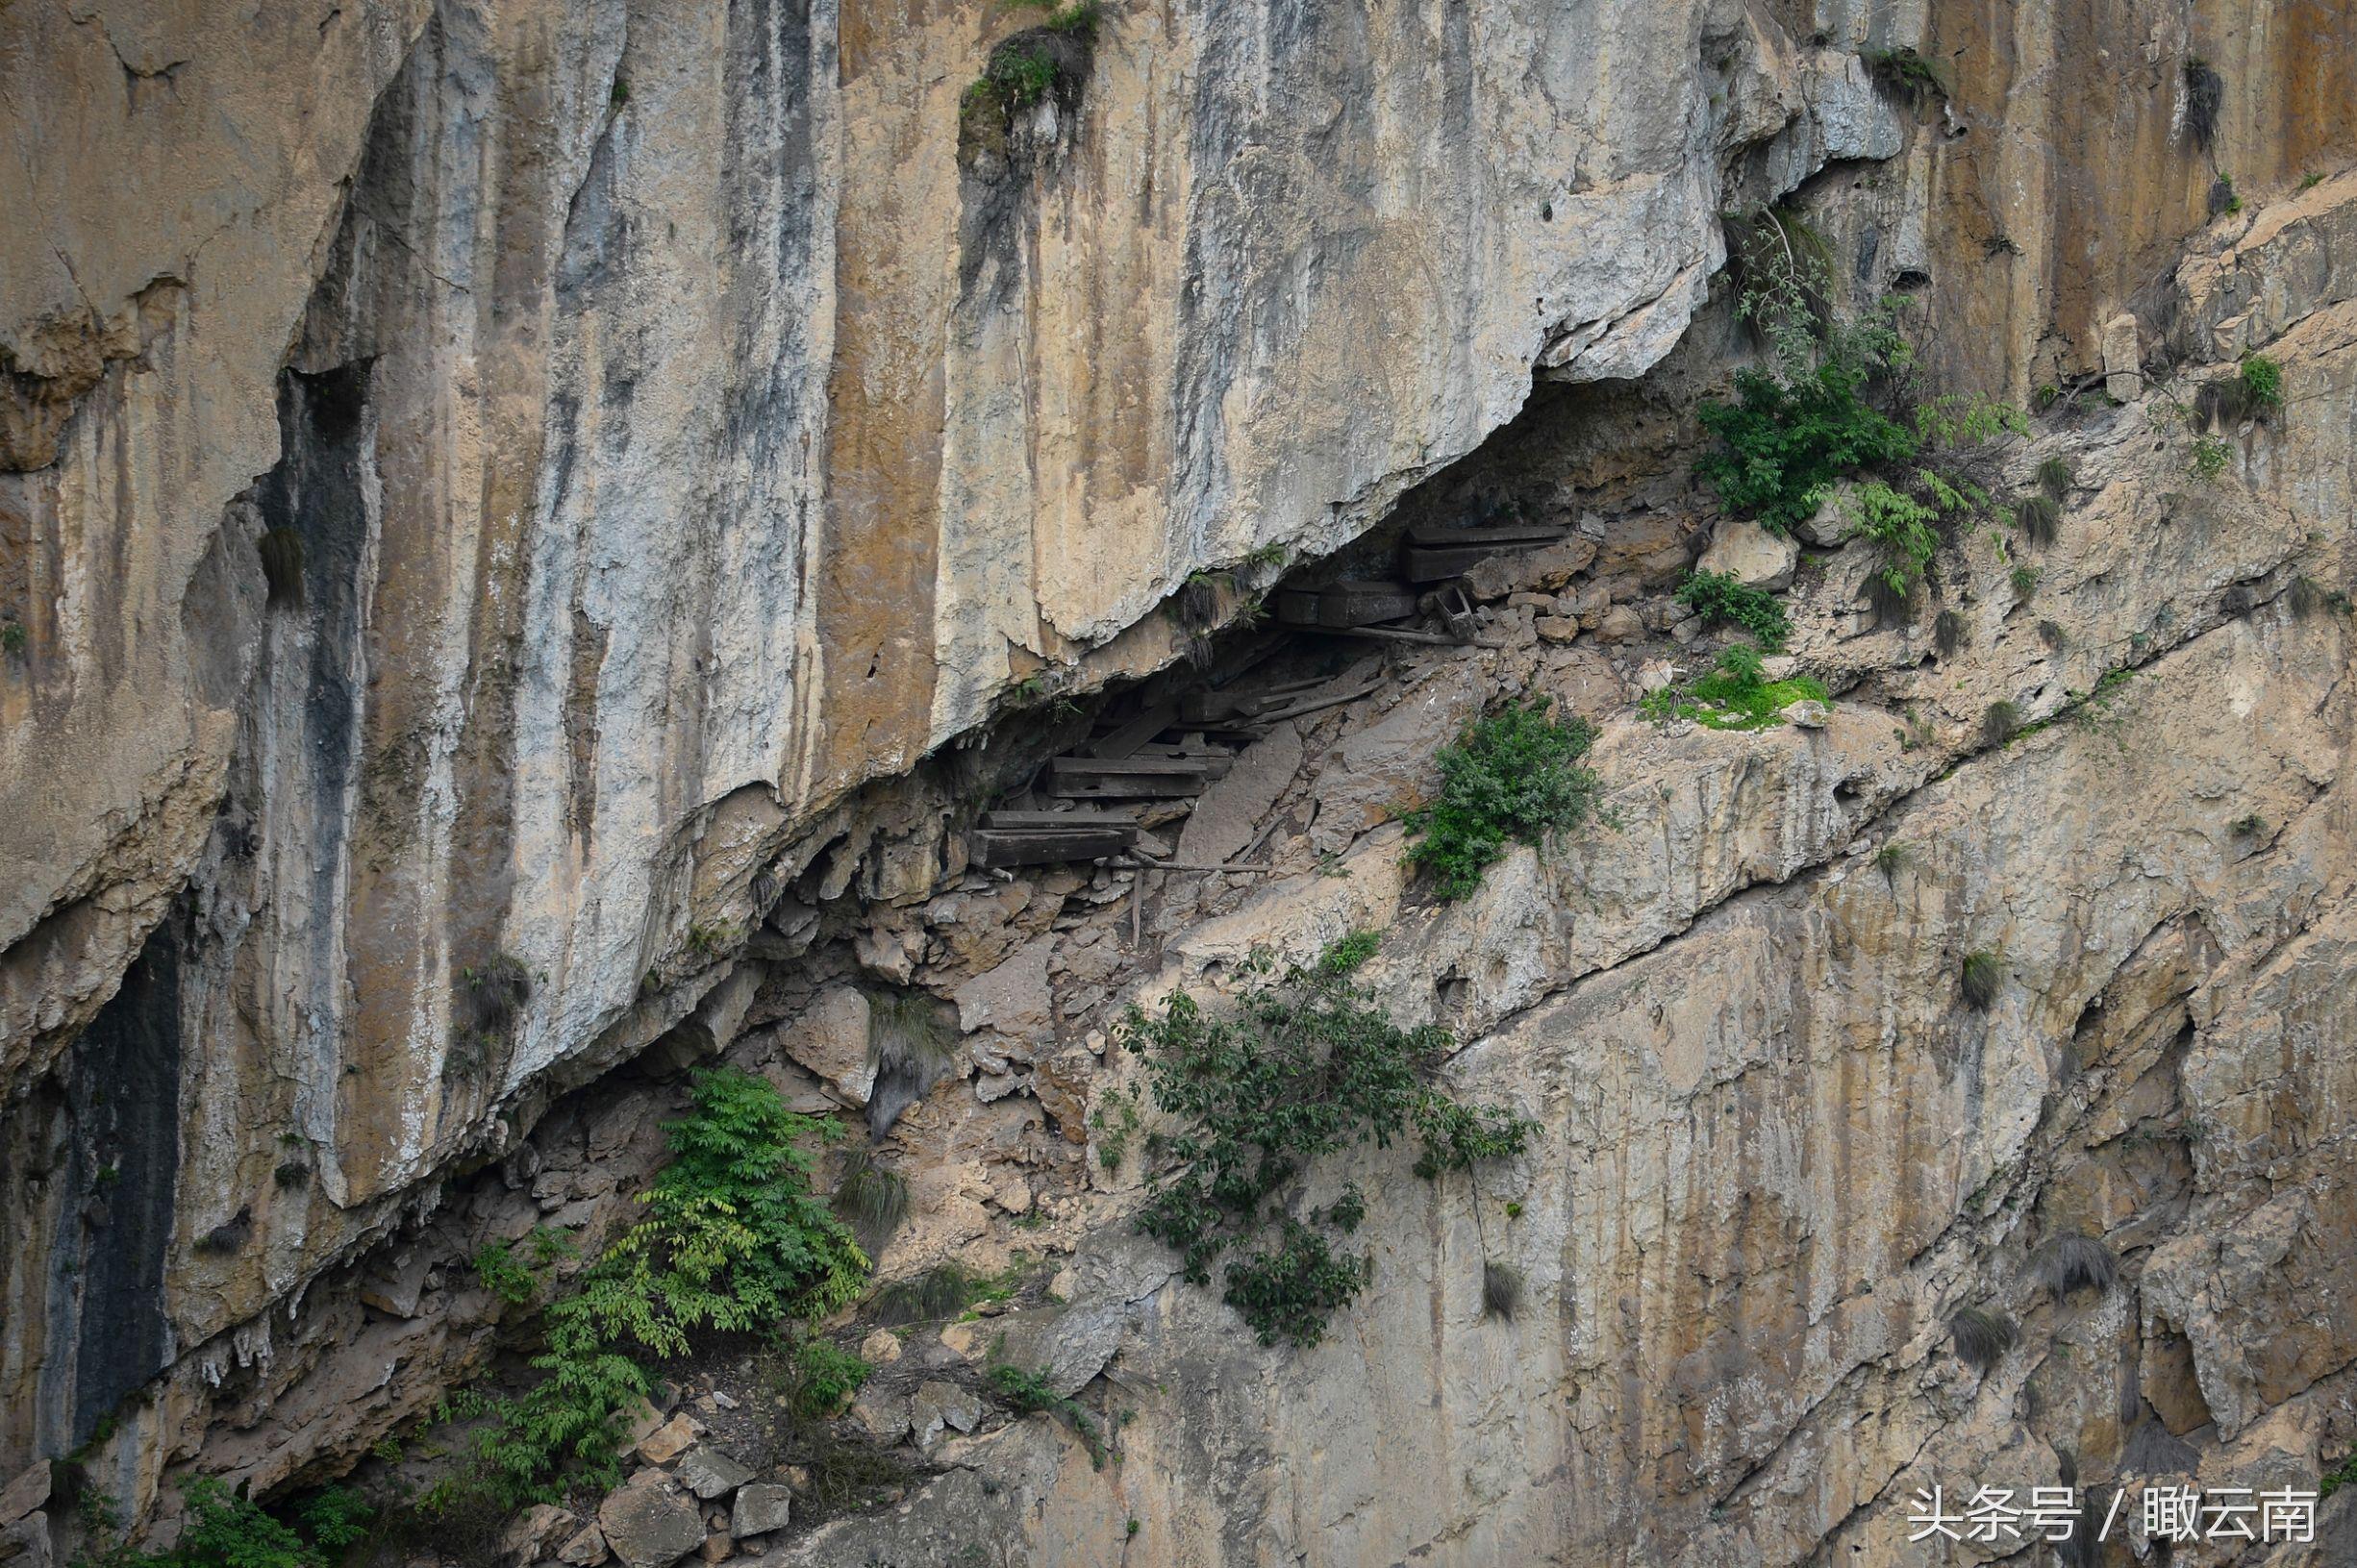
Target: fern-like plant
column 734, row 1240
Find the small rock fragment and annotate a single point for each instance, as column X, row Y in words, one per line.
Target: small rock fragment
column 668, row 1441
column 586, row 1550
column 709, row 1472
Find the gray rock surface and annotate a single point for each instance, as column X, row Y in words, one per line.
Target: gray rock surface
column 648, row 1522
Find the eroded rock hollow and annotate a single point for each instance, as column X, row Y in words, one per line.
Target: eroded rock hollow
column 547, row 546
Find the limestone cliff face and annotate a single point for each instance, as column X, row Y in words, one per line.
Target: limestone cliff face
column 684, row 427
column 663, row 428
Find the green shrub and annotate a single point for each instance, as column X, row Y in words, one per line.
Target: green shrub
column 13, row 637
column 1901, row 527
column 1835, row 400
column 1305, row 1067
column 825, row 1376
column 2054, row 477
column 940, row 1293
column 734, row 1240
column 2209, row 459
column 1723, row 599
column 496, row 1268
column 1513, row 776
column 225, row 1530
column 1350, row 952
column 2248, row 826
column 2000, row 723
column 2262, row 383
column 1736, row 695
column 2025, row 579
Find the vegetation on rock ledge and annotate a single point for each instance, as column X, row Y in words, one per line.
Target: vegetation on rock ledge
column 1306, row 1067
column 1513, row 777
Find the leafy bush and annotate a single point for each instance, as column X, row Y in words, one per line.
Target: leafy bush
column 2024, row 581
column 1785, row 445
column 1835, row 400
column 1982, row 976
column 1736, row 695
column 2209, row 459
column 1305, row 1067
column 1901, row 526
column 2262, row 383
column 225, row 1530
column 1723, row 599
column 1513, row 776
column 940, row 1293
column 825, row 1376
column 2054, row 477
column 734, row 1240
column 496, row 1268
column 2000, row 723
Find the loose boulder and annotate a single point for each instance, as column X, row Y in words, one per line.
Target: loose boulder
column 649, row 1523
column 762, row 1506
column 1751, row 555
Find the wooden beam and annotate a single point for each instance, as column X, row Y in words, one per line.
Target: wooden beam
column 1125, row 740
column 998, row 848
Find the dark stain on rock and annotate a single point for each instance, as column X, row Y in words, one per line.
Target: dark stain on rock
column 122, row 1102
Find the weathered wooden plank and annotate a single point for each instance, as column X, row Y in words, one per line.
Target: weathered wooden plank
column 1440, row 536
column 1124, row 767
column 994, row 848
column 1344, row 604
column 1059, row 819
column 1126, row 739
column 1131, row 787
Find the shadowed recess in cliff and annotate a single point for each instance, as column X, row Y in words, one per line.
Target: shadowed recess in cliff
column 122, row 1109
